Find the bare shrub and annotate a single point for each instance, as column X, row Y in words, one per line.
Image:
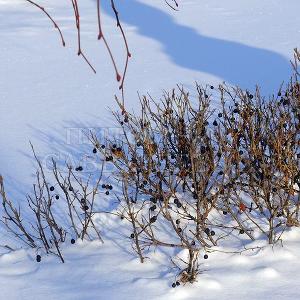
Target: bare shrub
column 184, row 166
column 55, row 210
column 262, row 140
column 190, row 175
column 172, row 171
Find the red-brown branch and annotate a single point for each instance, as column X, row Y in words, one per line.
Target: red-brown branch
column 77, row 19
column 128, row 54
column 50, row 18
column 101, row 36
column 120, row 78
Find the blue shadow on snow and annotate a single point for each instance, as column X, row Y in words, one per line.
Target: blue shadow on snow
column 235, row 63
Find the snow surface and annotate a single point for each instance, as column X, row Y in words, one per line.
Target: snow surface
column 47, row 91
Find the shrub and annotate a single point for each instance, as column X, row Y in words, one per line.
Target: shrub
column 262, row 139
column 183, row 166
column 191, row 176
column 65, row 207
column 172, row 172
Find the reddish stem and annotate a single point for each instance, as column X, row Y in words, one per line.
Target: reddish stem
column 101, row 36
column 50, row 18
column 77, row 20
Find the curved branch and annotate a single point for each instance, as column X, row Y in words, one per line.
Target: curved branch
column 50, row 18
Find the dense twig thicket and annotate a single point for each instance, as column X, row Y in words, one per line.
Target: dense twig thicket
column 192, row 176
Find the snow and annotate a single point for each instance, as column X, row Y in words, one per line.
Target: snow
column 95, row 271
column 46, row 91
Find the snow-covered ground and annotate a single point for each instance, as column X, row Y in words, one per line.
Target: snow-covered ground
column 46, row 91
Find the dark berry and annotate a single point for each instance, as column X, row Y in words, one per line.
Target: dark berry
column 212, row 87
column 286, row 102
column 107, row 193
column 205, row 256
column 114, row 146
column 103, row 146
column 242, row 231
column 57, row 197
column 153, row 219
column 215, row 123
column 71, row 188
column 38, row 258
column 173, row 285
column 153, row 208
column 132, row 236
column 153, row 200
column 103, row 186
column 177, row 283
column 212, row 233
column 79, row 168
column 72, row 241
column 51, row 188
column 220, row 115
column 82, row 201
column 94, row 150
column 207, row 231
column 177, row 221
column 224, row 212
